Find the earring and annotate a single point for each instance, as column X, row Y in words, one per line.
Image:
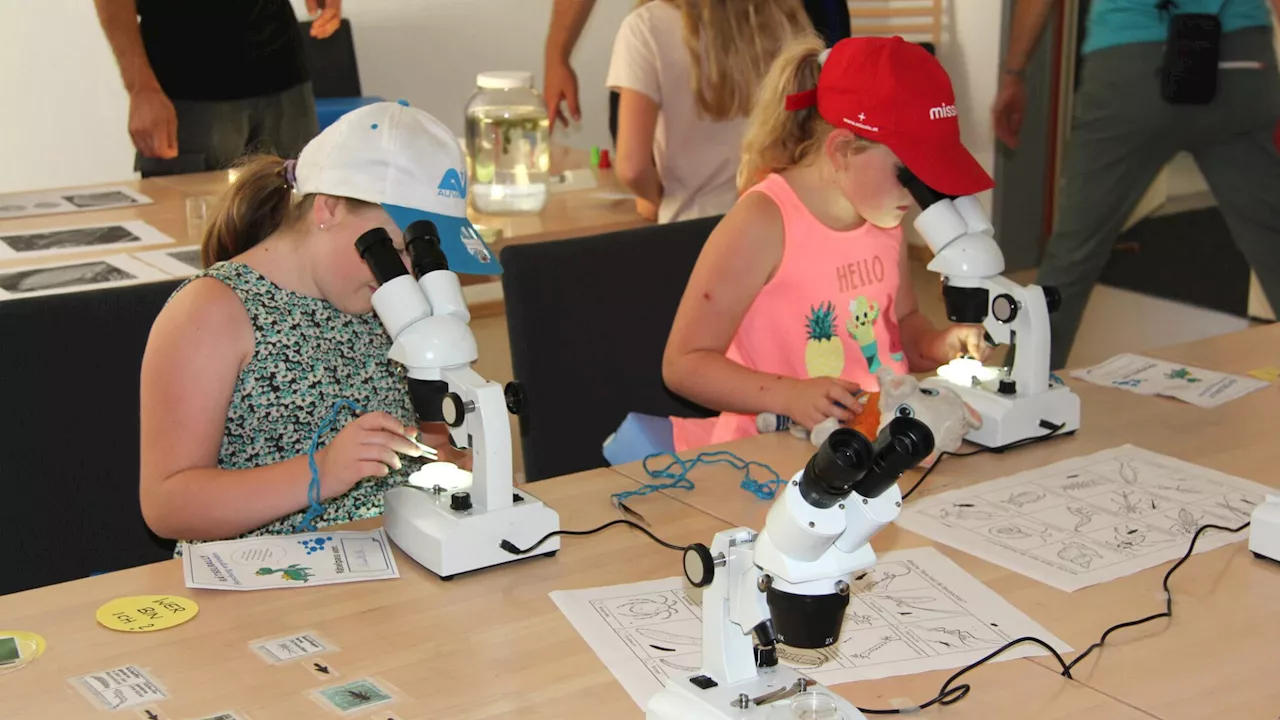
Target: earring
column 321, row 226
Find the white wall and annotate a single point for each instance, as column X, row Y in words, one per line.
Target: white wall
column 67, row 111
column 418, row 50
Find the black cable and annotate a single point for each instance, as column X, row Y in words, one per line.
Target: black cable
column 948, row 695
column 511, row 548
column 1053, row 430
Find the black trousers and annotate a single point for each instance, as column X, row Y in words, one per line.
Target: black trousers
column 213, row 135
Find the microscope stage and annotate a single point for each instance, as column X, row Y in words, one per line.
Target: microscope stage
column 448, row 541
column 681, row 699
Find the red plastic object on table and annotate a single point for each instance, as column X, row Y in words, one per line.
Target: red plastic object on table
column 604, row 160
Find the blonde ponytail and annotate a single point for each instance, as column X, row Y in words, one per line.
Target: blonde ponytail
column 777, row 138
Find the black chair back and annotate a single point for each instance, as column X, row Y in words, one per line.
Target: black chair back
column 69, row 376
column 331, row 62
column 588, row 320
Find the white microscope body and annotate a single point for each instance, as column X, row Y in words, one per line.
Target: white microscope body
column 449, row 521
column 790, row 583
column 1021, row 401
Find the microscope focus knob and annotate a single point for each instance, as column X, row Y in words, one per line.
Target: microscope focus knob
column 514, row 393
column 454, row 411
column 699, row 567
column 1052, row 298
column 460, row 501
column 1004, row 308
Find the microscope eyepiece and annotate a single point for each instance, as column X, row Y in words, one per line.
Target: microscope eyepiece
column 379, row 253
column 920, row 192
column 838, row 465
column 902, row 445
column 423, row 242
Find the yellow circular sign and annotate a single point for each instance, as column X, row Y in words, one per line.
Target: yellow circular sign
column 146, row 613
column 17, row 648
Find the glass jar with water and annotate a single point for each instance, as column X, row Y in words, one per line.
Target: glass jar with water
column 508, row 144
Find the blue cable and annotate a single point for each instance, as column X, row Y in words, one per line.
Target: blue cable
column 765, row 489
column 313, row 490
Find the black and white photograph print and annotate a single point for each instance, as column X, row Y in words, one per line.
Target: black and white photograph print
column 73, row 239
column 179, row 262
column 51, row 202
column 75, row 276
column 98, row 200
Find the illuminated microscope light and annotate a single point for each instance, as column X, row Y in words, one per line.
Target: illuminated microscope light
column 447, row 476
column 967, row 372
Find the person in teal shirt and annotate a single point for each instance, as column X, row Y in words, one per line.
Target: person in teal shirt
column 1123, row 132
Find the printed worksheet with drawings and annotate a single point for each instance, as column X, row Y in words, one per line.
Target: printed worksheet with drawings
column 915, row 611
column 1146, row 376
column 259, row 563
column 1091, row 519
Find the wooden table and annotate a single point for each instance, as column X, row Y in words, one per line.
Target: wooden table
column 487, row 645
column 569, row 213
column 1218, row 655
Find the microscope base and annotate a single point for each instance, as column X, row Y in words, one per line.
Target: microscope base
column 449, row 543
column 1010, row 418
column 680, row 699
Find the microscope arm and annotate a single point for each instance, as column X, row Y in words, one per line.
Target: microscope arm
column 733, row 606
column 476, row 411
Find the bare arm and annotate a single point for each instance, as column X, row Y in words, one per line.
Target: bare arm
column 1028, row 24
column 153, row 122
column 742, row 253
column 198, row 345
column 119, row 20
column 568, row 17
column 916, row 331
column 637, row 123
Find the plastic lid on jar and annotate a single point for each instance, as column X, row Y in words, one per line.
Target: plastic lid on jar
column 504, row 80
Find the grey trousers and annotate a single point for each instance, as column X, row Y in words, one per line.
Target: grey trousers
column 1122, row 135
column 213, row 135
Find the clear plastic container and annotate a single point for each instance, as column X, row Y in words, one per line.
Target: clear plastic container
column 810, row 705
column 508, row 144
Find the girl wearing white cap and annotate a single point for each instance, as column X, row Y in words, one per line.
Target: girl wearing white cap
column 250, row 357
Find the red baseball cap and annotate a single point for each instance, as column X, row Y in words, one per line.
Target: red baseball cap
column 897, row 94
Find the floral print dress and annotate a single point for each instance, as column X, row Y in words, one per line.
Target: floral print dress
column 307, row 356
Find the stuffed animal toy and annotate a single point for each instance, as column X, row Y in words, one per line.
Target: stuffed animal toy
column 930, row 401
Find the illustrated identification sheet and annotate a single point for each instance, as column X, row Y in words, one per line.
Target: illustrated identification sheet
column 278, row 561
column 1090, row 519
column 915, row 611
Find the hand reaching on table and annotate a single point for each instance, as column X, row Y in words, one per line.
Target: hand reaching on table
column 153, row 123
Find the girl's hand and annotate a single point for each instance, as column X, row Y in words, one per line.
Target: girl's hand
column 809, row 402
column 957, row 341
column 366, row 447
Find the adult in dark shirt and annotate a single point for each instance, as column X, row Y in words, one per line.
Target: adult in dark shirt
column 209, row 81
column 830, row 19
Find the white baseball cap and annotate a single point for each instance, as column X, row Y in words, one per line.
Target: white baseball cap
column 408, row 162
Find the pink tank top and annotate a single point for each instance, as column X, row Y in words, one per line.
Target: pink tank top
column 827, row 311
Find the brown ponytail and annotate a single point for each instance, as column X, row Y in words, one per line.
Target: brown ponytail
column 777, row 138
column 257, row 204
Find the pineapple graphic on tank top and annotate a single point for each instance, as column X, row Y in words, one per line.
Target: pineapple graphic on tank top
column 826, row 312
column 823, row 353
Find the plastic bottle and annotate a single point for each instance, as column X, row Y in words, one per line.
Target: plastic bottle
column 508, row 144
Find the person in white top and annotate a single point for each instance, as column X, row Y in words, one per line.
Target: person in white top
column 687, row 72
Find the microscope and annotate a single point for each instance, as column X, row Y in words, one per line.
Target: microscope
column 1018, row 401
column 449, row 521
column 790, row 583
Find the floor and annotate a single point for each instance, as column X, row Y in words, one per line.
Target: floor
column 1115, row 321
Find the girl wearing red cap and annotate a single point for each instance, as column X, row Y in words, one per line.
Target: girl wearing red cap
column 803, row 291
